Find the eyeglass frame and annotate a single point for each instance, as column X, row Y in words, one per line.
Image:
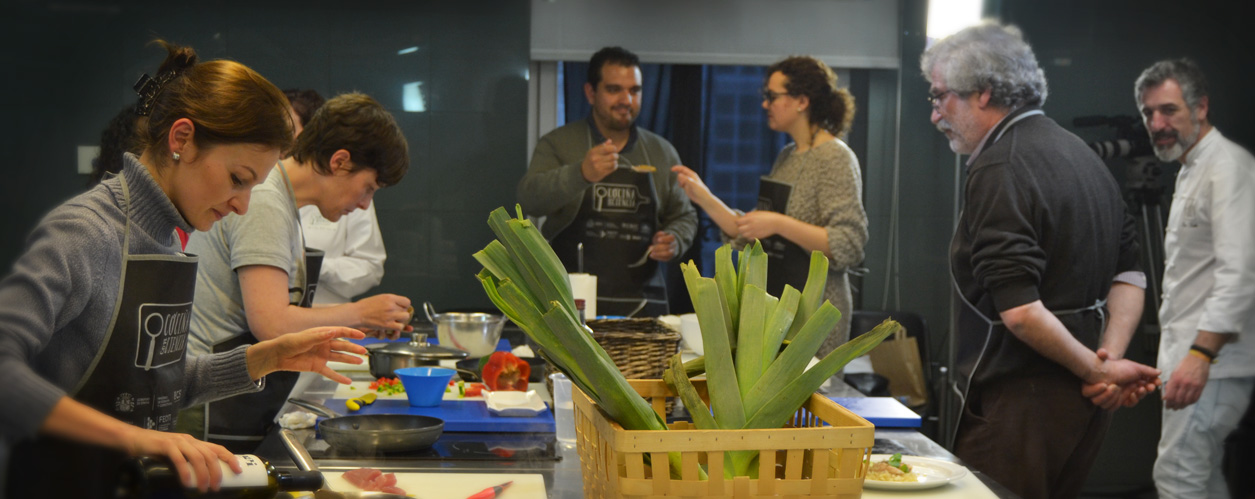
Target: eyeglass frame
column 770, row 95
column 935, row 99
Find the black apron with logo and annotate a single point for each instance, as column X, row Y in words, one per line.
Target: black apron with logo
column 616, row 224
column 241, row 422
column 787, row 263
column 136, row 376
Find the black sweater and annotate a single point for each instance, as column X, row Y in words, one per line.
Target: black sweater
column 1043, row 219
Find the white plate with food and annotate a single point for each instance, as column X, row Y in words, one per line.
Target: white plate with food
column 925, row 473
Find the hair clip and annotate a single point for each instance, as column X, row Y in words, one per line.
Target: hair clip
column 149, row 88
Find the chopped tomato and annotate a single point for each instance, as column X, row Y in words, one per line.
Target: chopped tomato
column 504, row 371
column 387, row 385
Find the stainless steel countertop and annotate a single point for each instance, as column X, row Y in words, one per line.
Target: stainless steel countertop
column 562, row 476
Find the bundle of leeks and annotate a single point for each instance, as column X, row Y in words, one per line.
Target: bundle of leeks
column 754, row 387
column 526, row 281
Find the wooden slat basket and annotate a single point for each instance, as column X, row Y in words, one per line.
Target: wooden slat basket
column 820, row 453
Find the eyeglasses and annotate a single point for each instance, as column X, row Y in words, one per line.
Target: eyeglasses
column 770, row 96
column 936, row 98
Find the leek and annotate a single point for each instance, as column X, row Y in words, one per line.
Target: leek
column 752, row 382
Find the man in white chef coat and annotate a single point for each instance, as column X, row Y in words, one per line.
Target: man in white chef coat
column 1207, row 345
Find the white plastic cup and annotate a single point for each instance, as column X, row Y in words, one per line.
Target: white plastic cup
column 563, row 409
column 584, row 286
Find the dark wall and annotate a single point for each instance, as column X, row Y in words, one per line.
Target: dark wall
column 70, row 66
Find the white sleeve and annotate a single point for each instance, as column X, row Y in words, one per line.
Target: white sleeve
column 1231, row 303
column 360, row 267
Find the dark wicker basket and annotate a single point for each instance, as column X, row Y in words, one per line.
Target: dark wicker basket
column 640, row 348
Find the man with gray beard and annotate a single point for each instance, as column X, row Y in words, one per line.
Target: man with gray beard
column 1043, row 253
column 1207, row 319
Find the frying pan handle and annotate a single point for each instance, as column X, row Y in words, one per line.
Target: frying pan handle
column 431, row 312
column 303, row 460
column 318, row 409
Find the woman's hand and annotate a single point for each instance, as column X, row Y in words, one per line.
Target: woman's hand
column 759, row 224
column 307, row 351
column 385, row 312
column 195, row 461
column 692, row 184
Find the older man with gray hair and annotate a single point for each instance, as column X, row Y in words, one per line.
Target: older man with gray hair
column 1045, row 262
column 1207, row 319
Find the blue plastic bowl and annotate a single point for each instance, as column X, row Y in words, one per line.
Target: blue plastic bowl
column 424, row 385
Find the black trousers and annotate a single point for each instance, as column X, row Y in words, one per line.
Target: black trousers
column 1036, row 436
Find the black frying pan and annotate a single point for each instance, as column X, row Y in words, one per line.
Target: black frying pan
column 370, row 434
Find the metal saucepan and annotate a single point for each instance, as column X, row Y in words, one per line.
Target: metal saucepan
column 386, row 358
column 369, row 434
column 306, row 463
column 471, row 332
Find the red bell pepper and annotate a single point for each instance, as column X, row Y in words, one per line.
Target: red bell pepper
column 504, row 371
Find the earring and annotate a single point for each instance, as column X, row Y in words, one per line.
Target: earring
column 176, row 156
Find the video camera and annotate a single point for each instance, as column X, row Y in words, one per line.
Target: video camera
column 1131, row 138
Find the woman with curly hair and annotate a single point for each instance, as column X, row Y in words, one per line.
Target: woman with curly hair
column 812, row 199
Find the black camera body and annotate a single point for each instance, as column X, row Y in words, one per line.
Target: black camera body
column 1131, row 138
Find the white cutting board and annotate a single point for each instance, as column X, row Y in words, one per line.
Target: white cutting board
column 453, row 485
column 358, row 388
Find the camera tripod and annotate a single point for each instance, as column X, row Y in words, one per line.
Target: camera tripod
column 1144, row 191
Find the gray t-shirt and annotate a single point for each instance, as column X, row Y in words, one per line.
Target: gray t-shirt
column 269, row 233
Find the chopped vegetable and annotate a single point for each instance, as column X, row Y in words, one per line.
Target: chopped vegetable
column 505, row 371
column 390, row 386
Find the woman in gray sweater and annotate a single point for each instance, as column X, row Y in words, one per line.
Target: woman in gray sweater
column 94, row 316
column 812, row 199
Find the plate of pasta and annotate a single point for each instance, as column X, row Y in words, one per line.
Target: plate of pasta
column 898, row 472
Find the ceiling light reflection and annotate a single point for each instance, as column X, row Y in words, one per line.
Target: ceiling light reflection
column 412, row 97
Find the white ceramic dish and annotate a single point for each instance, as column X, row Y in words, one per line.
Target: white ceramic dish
column 932, row 473
column 514, row 404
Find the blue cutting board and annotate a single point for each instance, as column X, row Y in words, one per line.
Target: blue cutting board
column 459, row 415
column 884, row 412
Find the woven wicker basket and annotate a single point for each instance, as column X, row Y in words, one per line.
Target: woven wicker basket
column 640, row 348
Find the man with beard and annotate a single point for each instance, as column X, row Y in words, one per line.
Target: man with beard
column 1043, row 253
column 604, row 194
column 1207, row 341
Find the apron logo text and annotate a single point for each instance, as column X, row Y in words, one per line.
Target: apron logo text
column 618, row 198
column 162, row 335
